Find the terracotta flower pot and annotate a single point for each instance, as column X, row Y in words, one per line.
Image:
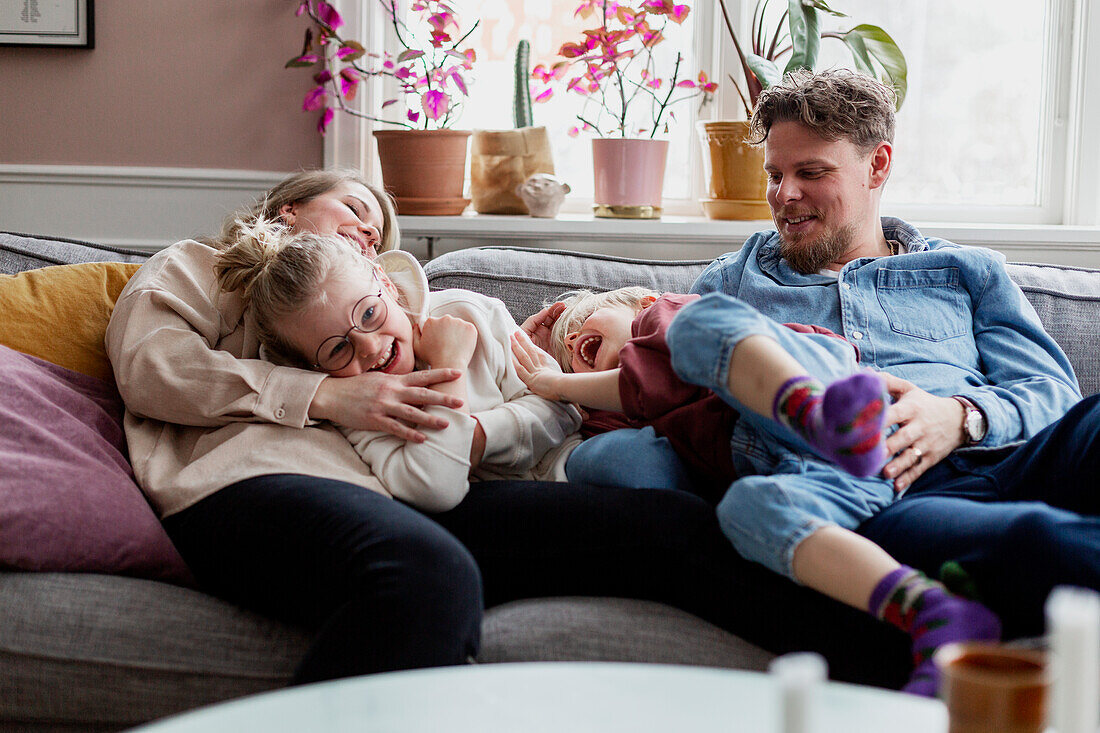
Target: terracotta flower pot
column 629, row 175
column 425, row 170
column 734, row 172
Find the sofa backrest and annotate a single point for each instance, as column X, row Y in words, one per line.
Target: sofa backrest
column 1066, row 298
column 20, row 252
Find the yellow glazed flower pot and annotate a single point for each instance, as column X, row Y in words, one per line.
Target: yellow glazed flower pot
column 733, row 171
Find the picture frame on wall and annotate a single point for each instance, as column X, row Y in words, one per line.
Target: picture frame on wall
column 68, row 23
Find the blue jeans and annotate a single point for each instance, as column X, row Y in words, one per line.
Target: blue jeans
column 1020, row 521
column 786, row 493
column 630, row 458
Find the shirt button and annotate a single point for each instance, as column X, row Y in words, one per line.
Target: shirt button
column 857, row 335
column 847, row 286
column 280, row 413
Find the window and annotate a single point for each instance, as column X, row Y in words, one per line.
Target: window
column 992, row 130
column 983, row 115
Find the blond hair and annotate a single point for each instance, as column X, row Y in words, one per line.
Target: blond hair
column 580, row 304
column 838, row 104
column 301, row 188
column 280, row 272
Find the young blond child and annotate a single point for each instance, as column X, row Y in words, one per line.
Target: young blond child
column 321, row 305
column 615, row 346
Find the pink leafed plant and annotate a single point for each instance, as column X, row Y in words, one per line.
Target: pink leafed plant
column 615, row 68
column 430, row 70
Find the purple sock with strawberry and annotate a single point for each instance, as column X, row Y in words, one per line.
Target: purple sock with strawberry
column 932, row 616
column 844, row 422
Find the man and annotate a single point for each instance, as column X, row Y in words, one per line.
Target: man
column 993, row 479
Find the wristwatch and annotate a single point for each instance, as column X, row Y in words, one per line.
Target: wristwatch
column 974, row 425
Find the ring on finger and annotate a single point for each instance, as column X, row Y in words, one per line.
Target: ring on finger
column 918, row 453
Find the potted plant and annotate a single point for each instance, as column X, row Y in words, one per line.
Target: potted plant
column 734, row 169
column 628, row 100
column 501, row 160
column 423, row 160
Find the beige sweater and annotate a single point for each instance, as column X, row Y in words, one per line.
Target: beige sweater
column 526, row 436
column 202, row 411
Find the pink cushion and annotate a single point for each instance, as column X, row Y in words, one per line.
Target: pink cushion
column 68, row 500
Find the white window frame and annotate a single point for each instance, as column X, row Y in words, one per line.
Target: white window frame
column 1070, row 152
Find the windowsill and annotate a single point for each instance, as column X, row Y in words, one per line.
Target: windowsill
column 1021, row 242
column 667, row 229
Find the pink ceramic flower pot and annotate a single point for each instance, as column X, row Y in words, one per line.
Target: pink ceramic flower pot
column 629, row 175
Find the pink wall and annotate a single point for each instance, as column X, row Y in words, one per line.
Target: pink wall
column 171, row 83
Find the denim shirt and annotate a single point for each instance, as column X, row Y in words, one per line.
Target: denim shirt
column 945, row 317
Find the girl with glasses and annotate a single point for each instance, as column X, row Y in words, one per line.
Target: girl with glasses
column 320, row 305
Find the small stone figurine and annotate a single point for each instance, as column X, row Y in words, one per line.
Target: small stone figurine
column 543, row 194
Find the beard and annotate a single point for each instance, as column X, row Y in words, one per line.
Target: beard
column 810, row 256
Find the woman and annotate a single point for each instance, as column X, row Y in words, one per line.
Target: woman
column 265, row 499
column 266, row 504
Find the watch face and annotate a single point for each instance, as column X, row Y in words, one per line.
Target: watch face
column 975, row 425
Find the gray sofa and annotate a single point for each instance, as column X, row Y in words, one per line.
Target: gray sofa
column 85, row 651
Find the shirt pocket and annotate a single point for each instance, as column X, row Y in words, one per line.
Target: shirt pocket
column 926, row 304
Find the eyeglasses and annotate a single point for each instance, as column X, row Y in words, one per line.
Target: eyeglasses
column 336, row 352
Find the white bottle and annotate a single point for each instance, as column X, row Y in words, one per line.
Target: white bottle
column 800, row 676
column 1073, row 623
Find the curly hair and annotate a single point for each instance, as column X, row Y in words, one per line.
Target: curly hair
column 838, row 104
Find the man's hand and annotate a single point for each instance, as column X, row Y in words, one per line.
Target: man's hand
column 930, row 428
column 385, row 402
column 535, row 367
column 538, row 326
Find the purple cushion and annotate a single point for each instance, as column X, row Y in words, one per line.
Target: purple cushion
column 68, row 500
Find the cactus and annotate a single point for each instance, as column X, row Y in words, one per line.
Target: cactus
column 521, row 99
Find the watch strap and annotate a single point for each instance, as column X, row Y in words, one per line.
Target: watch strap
column 969, row 408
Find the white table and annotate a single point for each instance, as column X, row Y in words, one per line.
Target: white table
column 557, row 698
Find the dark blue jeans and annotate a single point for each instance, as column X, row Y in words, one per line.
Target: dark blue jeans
column 385, row 587
column 1020, row 521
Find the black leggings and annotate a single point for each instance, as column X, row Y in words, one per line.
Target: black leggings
column 385, row 587
column 390, row 588
column 535, row 539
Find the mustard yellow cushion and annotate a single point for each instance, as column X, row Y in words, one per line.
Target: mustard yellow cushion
column 60, row 313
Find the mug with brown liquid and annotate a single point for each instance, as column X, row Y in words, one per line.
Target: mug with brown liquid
column 991, row 687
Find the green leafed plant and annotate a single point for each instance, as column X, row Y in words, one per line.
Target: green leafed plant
column 797, row 37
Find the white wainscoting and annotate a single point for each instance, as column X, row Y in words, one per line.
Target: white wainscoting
column 139, row 207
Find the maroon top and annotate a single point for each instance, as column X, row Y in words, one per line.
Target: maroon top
column 696, row 421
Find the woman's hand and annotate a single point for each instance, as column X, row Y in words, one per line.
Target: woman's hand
column 538, row 326
column 535, row 367
column 386, row 403
column 446, row 341
column 931, row 427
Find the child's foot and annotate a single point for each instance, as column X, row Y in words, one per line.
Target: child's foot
column 933, row 617
column 844, row 422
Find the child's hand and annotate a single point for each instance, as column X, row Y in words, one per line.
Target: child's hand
column 539, row 325
column 446, row 341
column 535, row 367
